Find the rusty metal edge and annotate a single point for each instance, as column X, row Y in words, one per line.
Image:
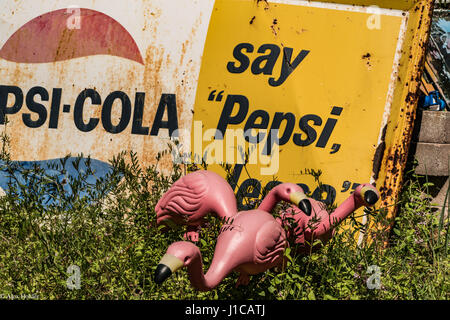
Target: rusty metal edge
column 394, row 158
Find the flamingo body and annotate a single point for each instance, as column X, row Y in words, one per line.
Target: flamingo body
column 194, row 196
column 320, row 225
column 251, row 241
column 251, row 244
column 199, row 193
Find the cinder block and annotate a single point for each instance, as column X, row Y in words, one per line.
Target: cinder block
column 435, row 127
column 433, row 159
column 439, row 200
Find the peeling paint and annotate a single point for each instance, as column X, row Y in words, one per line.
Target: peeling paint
column 397, row 154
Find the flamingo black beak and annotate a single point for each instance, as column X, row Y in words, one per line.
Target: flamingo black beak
column 169, row 264
column 369, row 195
column 302, row 202
column 162, row 273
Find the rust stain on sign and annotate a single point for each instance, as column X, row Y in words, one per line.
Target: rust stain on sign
column 397, row 146
column 379, row 155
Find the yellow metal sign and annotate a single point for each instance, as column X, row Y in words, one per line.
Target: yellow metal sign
column 323, row 85
column 286, row 85
column 323, row 76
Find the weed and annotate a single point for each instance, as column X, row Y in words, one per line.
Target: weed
column 108, row 229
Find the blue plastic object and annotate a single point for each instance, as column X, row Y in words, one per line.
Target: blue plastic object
column 432, row 102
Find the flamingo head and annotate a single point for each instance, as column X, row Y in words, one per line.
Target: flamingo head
column 179, row 254
column 294, row 194
column 367, row 194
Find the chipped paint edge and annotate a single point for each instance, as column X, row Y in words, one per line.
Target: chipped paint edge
column 342, row 7
column 395, row 156
column 389, row 102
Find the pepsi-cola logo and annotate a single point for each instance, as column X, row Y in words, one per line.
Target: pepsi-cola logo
column 47, row 38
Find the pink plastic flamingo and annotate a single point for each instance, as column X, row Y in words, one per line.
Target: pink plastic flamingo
column 253, row 243
column 195, row 195
column 320, row 225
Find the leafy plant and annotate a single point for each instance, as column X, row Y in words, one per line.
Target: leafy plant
column 108, row 229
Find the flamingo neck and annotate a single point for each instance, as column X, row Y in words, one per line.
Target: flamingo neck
column 224, row 213
column 351, row 204
column 218, row 270
column 269, row 202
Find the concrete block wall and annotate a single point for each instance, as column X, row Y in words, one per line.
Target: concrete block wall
column 433, row 143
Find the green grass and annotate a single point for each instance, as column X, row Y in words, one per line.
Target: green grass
column 111, row 234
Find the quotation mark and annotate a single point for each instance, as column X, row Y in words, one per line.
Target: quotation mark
column 347, row 185
column 213, row 96
column 74, row 281
column 335, row 149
